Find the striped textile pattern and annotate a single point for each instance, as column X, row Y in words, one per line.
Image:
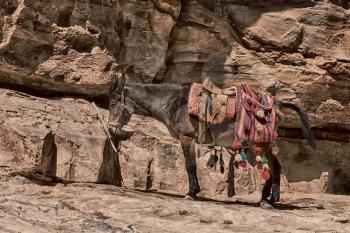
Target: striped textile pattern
column 248, row 123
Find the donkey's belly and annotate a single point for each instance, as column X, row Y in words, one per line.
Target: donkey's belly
column 223, row 133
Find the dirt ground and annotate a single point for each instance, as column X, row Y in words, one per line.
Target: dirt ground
column 84, row 207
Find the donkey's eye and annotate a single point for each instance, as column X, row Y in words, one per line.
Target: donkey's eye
column 116, row 99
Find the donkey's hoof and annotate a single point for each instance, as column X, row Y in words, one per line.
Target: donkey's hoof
column 265, row 205
column 190, row 197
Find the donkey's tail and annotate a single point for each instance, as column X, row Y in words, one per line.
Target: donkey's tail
column 304, row 121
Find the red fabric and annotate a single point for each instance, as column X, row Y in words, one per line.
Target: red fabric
column 243, row 110
column 243, row 164
column 231, row 108
column 266, row 174
column 238, row 145
column 258, row 150
column 246, row 120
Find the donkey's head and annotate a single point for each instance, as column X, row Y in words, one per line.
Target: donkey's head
column 119, row 113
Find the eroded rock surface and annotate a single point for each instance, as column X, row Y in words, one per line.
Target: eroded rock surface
column 150, row 160
column 79, row 42
column 296, row 50
column 33, row 129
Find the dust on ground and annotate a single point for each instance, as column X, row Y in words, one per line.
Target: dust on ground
column 84, row 207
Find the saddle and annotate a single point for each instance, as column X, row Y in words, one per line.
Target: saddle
column 212, row 105
column 214, row 89
column 252, row 111
column 255, row 123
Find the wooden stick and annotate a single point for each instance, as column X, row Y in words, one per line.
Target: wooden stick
column 105, row 127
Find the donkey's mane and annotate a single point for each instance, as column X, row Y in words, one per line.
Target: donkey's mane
column 171, row 91
column 163, row 86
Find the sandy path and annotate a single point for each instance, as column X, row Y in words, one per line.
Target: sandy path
column 27, row 207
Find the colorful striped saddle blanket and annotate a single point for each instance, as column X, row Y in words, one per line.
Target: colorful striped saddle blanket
column 255, row 118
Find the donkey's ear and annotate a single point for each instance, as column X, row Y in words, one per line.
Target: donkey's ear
column 120, row 83
column 113, row 85
column 123, row 80
column 125, row 95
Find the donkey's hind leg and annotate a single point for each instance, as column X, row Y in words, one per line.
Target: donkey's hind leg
column 188, row 148
column 276, row 178
column 272, row 185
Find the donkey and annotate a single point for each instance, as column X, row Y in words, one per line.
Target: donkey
column 168, row 104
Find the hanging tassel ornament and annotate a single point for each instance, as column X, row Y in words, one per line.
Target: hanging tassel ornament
column 238, row 157
column 266, row 174
column 258, row 159
column 259, row 113
column 213, row 160
column 222, row 164
column 244, row 157
column 259, row 166
column 264, row 160
column 243, row 164
column 237, row 145
column 265, row 166
column 258, row 151
column 266, row 169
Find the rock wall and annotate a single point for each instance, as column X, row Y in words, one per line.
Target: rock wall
column 298, row 50
column 150, row 160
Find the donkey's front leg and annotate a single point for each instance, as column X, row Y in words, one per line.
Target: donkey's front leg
column 188, row 148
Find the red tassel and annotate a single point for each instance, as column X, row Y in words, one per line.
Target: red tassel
column 258, row 150
column 266, row 174
column 259, row 166
column 237, row 145
column 243, row 164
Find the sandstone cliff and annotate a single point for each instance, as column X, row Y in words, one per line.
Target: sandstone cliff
column 60, row 52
